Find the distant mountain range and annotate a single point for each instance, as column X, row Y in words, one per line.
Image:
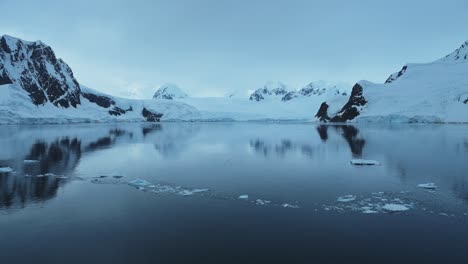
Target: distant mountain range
column 37, row 87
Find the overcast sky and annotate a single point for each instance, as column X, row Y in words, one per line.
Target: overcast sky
column 213, row 47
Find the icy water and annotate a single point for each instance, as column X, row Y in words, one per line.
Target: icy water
column 233, row 193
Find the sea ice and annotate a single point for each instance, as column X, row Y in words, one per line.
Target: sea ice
column 5, row 169
column 395, row 208
column 262, row 202
column 191, row 192
column 243, row 197
column 286, row 205
column 346, row 198
column 139, row 183
column 363, row 162
column 429, row 186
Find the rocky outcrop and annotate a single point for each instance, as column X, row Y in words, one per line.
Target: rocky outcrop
column 34, row 67
column 322, row 114
column 351, row 109
column 150, row 116
column 105, row 102
column 397, row 75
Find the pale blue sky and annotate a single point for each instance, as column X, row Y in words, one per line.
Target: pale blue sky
column 212, row 47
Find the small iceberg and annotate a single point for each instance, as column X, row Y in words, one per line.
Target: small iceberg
column 363, row 162
column 428, row 186
column 262, row 202
column 139, row 183
column 346, row 198
column 395, row 208
column 286, row 205
column 192, row 192
column 5, row 170
column 243, row 197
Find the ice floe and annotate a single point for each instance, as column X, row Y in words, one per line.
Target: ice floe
column 192, row 192
column 262, row 202
column 346, row 198
column 363, row 162
column 5, row 169
column 243, row 197
column 139, row 183
column 428, row 186
column 286, row 205
column 395, row 208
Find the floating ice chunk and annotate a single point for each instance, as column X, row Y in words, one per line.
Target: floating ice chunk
column 286, row 205
column 429, row 186
column 363, row 162
column 370, row 211
column 192, row 192
column 346, row 198
column 243, row 197
column 30, row 161
column 49, row 175
column 139, row 183
column 395, row 208
column 262, row 202
column 5, row 170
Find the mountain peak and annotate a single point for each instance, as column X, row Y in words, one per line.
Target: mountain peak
column 169, row 91
column 459, row 55
column 270, row 89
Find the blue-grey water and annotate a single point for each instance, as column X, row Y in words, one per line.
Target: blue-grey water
column 71, row 202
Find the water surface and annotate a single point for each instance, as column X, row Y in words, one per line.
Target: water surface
column 70, row 202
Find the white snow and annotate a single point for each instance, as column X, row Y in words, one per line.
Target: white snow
column 364, row 162
column 5, row 169
column 430, row 186
column 395, row 208
column 429, row 92
column 169, row 91
column 346, row 198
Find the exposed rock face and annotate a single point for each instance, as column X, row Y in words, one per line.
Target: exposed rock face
column 150, row 116
column 351, row 109
column 289, row 96
column 106, row 102
column 322, row 113
column 397, row 75
column 34, row 67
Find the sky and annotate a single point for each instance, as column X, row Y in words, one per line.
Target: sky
column 215, row 47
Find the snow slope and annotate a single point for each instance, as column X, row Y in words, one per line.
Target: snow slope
column 429, row 92
column 16, row 108
column 169, row 91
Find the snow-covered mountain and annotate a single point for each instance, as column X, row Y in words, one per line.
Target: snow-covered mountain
column 429, row 92
column 319, row 88
column 37, row 87
column 270, row 91
column 169, row 91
